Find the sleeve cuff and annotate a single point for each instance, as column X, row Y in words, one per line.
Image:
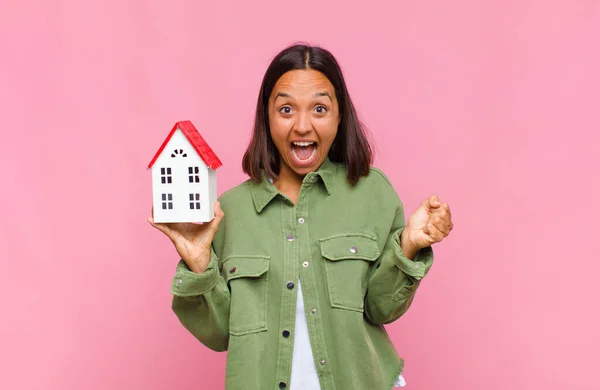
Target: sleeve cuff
column 417, row 268
column 187, row 283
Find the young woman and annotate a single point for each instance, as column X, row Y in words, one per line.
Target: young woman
column 306, row 261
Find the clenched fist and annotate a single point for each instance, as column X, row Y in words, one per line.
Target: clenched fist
column 430, row 223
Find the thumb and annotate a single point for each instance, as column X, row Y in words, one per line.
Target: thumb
column 219, row 214
column 432, row 202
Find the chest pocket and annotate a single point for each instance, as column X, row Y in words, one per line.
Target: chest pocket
column 247, row 277
column 347, row 260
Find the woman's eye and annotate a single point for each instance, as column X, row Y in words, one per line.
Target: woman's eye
column 321, row 109
column 285, row 110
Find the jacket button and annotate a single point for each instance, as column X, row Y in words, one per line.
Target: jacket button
column 290, row 237
column 290, row 285
column 353, row 249
column 285, row 333
column 282, row 385
column 233, row 269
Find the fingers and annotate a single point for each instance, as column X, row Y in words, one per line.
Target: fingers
column 435, row 235
column 433, row 202
column 443, row 213
column 446, row 207
column 439, row 224
column 161, row 227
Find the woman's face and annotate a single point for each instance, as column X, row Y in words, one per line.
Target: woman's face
column 303, row 119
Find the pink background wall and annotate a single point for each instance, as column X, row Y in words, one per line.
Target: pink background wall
column 492, row 105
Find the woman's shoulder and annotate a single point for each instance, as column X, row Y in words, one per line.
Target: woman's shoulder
column 237, row 194
column 375, row 180
column 378, row 176
column 244, row 198
column 375, row 175
column 377, row 185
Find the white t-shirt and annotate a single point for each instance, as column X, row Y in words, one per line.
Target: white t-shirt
column 304, row 372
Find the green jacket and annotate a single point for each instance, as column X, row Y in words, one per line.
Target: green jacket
column 342, row 242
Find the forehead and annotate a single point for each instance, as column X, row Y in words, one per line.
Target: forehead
column 303, row 81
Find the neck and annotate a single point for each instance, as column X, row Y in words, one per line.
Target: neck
column 288, row 183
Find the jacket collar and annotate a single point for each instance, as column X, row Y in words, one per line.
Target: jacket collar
column 264, row 192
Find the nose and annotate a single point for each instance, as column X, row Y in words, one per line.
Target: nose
column 303, row 125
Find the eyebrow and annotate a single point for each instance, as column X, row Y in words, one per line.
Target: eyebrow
column 318, row 94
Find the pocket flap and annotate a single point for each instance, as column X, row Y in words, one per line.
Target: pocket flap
column 245, row 266
column 350, row 246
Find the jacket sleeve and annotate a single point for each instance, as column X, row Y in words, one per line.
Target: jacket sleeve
column 394, row 278
column 201, row 303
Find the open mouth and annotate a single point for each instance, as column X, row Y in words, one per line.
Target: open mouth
column 304, row 153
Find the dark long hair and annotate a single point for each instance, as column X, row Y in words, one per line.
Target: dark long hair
column 350, row 146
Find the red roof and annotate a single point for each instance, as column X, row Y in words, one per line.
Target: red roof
column 204, row 151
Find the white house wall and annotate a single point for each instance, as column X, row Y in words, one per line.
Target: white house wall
column 207, row 204
column 180, row 188
column 212, row 189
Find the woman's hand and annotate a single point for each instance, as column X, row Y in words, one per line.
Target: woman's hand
column 430, row 223
column 192, row 241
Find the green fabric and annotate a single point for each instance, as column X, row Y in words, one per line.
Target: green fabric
column 354, row 277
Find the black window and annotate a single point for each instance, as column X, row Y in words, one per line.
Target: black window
column 194, row 174
column 194, row 201
column 165, row 176
column 167, row 201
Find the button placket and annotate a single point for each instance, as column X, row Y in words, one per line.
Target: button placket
column 309, row 268
column 292, row 237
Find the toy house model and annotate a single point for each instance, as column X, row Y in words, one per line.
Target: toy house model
column 184, row 177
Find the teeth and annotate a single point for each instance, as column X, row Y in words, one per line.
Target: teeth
column 303, row 143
